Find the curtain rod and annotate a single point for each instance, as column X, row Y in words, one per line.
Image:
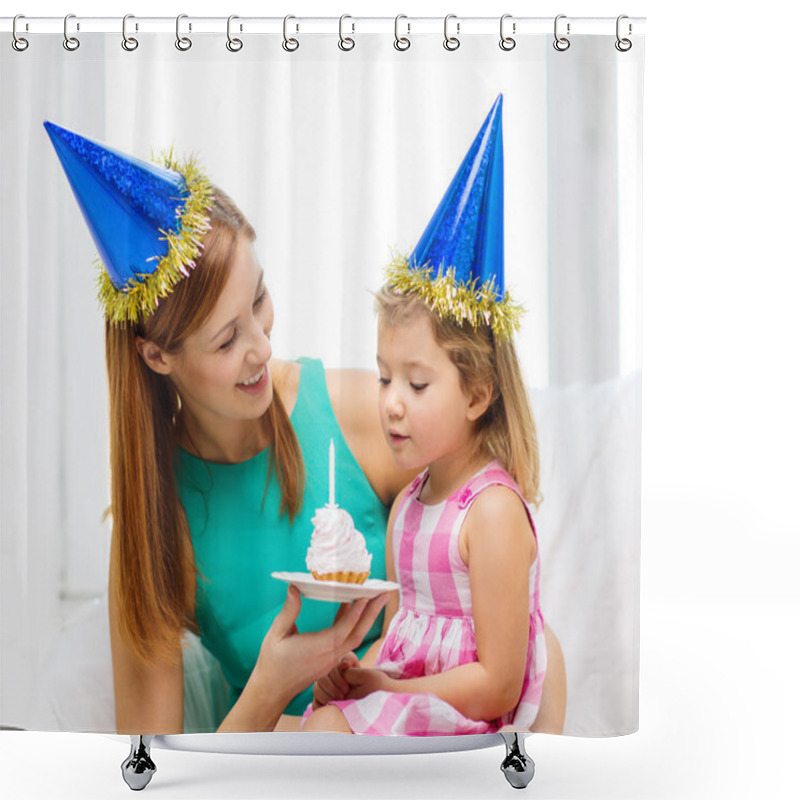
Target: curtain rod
column 519, row 26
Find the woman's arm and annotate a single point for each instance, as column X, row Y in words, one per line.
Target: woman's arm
column 499, row 549
column 148, row 697
column 354, row 397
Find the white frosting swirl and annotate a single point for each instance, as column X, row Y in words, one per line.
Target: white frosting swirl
column 336, row 545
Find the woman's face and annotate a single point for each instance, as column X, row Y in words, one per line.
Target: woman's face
column 222, row 370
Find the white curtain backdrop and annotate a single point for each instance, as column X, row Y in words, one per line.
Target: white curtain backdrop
column 337, row 159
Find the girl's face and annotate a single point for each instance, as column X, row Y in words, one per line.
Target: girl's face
column 222, row 370
column 425, row 414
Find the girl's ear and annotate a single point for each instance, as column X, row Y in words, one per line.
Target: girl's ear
column 480, row 402
column 157, row 359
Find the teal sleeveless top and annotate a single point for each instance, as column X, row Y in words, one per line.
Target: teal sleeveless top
column 240, row 538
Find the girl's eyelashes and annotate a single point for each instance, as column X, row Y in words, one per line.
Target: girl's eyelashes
column 417, row 387
column 260, row 299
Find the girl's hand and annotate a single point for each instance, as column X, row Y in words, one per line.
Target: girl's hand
column 366, row 681
column 333, row 686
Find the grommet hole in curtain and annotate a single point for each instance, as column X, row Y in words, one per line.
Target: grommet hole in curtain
column 71, row 43
column 19, row 43
column 129, row 43
column 233, row 44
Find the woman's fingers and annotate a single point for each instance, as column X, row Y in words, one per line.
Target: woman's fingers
column 349, row 611
column 365, row 621
column 344, row 623
column 348, row 660
column 333, row 684
column 284, row 623
column 321, row 696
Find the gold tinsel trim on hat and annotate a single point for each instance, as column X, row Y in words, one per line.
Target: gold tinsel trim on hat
column 139, row 298
column 453, row 299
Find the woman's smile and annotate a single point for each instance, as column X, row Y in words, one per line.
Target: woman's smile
column 255, row 384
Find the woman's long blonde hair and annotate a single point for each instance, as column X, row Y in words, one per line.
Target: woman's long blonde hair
column 153, row 573
column 507, row 430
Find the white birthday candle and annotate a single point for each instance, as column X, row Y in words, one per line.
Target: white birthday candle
column 331, row 479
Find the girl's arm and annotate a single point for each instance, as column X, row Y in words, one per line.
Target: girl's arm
column 354, row 397
column 498, row 547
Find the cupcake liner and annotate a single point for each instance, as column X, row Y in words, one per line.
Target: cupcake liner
column 341, row 577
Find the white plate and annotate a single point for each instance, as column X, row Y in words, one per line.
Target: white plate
column 334, row 591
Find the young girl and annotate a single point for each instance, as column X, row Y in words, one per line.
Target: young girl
column 464, row 651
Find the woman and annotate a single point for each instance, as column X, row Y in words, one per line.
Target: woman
column 216, row 460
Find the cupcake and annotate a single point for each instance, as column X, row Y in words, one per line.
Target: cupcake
column 338, row 551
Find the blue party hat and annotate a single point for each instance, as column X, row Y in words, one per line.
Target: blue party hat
column 457, row 265
column 147, row 220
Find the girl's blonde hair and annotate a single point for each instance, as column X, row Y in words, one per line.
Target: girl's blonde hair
column 507, row 430
column 153, row 573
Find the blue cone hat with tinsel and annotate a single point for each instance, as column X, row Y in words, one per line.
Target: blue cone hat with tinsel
column 147, row 220
column 457, row 266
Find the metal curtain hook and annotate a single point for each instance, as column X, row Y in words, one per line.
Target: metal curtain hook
column 70, row 42
column 18, row 42
column 183, row 43
column 623, row 45
column 451, row 42
column 345, row 42
column 401, row 42
column 129, row 43
column 233, row 44
column 561, row 43
column 506, row 42
column 289, row 45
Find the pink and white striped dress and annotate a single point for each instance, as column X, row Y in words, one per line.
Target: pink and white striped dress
column 433, row 630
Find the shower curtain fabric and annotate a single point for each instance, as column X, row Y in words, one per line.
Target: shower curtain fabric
column 338, row 159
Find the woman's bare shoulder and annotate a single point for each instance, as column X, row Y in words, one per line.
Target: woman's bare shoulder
column 354, row 392
column 286, row 380
column 354, row 397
